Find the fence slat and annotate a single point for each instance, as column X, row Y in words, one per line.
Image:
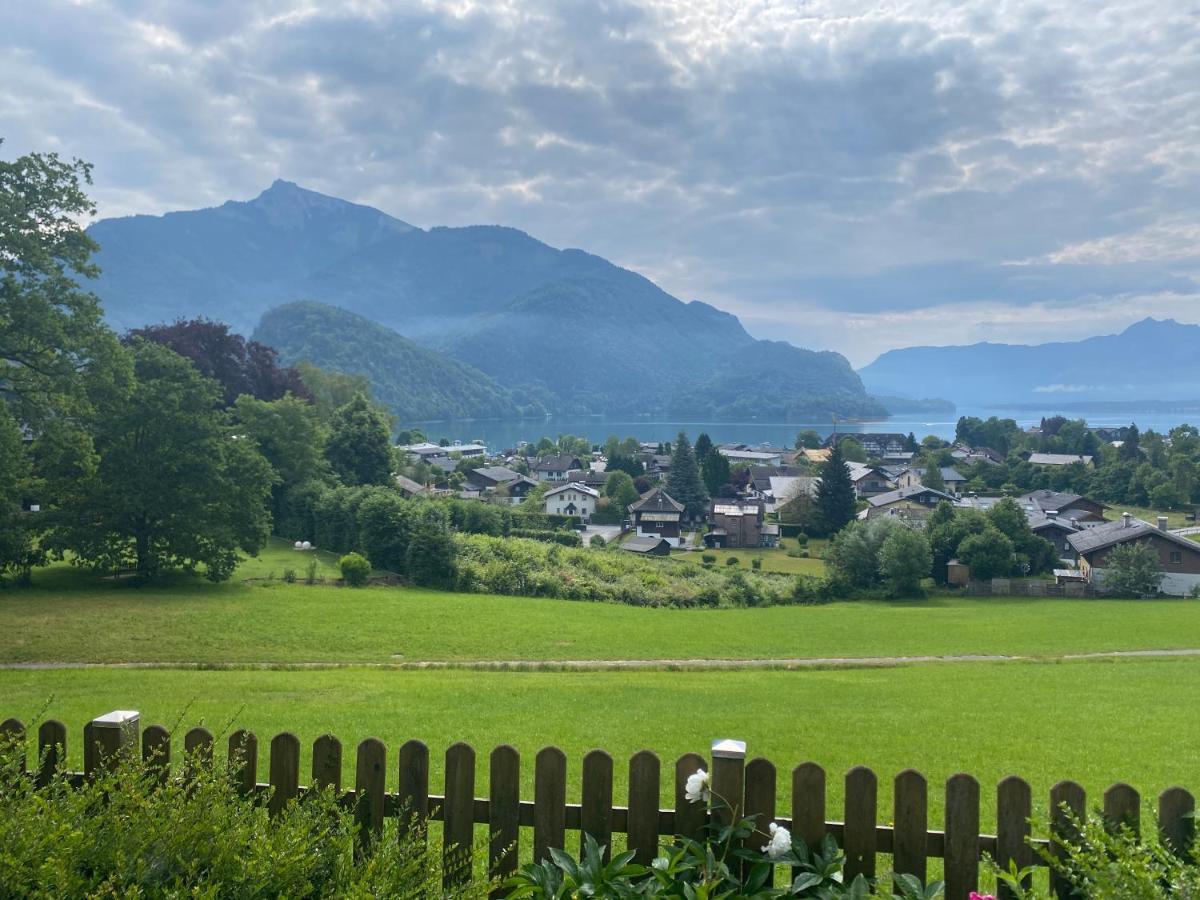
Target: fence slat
column 285, row 771
column 911, row 816
column 414, row 786
column 689, row 816
column 1073, row 797
column 858, row 832
column 13, row 730
column 595, row 812
column 549, row 802
column 760, row 803
column 458, row 814
column 1122, row 807
column 808, row 804
column 644, row 774
column 156, row 750
column 327, row 763
column 52, row 750
column 1176, row 825
column 370, row 788
column 1014, row 806
column 961, row 865
column 504, row 811
column 243, row 760
column 197, row 750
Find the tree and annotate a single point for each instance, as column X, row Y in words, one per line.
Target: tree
column 430, row 558
column 932, row 478
column 704, row 446
column 836, row 503
column 853, row 554
column 619, row 462
column 1132, row 570
column 174, row 487
column 946, row 529
column 684, row 483
column 332, row 390
column 808, row 440
column 1131, row 448
column 904, row 559
column 238, row 365
column 619, row 488
column 989, row 553
column 17, row 550
column 358, row 448
column 852, row 450
column 1030, row 549
column 715, row 472
column 355, row 569
column 910, row 443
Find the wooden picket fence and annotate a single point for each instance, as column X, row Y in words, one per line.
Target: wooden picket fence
column 752, row 787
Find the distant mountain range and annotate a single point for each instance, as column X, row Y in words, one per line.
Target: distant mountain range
column 1151, row 360
column 545, row 330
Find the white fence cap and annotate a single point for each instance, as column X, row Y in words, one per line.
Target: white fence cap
column 728, row 748
column 116, row 718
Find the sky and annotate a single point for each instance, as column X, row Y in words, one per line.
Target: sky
column 847, row 175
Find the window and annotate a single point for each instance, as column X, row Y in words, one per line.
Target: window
column 1176, row 557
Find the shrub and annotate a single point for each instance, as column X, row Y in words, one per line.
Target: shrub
column 310, row 571
column 289, row 576
column 597, row 540
column 802, row 539
column 731, row 560
column 709, row 558
column 756, row 563
column 355, row 569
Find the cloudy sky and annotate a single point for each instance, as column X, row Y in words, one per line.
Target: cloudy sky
column 842, row 174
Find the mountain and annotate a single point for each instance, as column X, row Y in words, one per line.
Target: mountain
column 562, row 329
column 1151, row 360
column 413, row 382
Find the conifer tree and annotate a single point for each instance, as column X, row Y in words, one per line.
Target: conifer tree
column 684, row 483
column 835, row 493
column 932, row 478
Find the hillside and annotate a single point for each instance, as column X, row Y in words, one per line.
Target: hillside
column 413, row 382
column 1151, row 360
column 563, row 329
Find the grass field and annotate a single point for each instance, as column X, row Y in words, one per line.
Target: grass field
column 773, row 561
column 1096, row 722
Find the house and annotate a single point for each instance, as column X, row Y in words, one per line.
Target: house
column 738, row 523
column 428, row 451
column 898, row 457
column 649, row 546
column 1063, row 505
column 657, row 514
column 1178, row 557
column 489, row 478
column 572, row 499
column 742, row 453
column 875, row 445
column 786, row 488
column 555, row 467
column 1059, row 459
column 815, row 454
column 914, row 476
column 593, row 478
column 869, row 480
column 968, row 455
column 410, row 488
column 911, row 504
column 519, row 489
column 760, row 478
column 1057, row 530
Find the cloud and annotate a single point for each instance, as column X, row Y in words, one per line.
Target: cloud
column 841, row 169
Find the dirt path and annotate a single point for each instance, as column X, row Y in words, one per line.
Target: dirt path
column 589, row 665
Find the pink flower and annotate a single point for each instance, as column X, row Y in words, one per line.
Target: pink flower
column 975, row 895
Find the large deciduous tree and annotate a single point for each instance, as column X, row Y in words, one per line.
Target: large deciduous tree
column 359, row 448
column 1133, row 570
column 175, row 487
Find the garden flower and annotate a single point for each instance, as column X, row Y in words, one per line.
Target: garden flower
column 780, row 843
column 975, row 895
column 698, row 787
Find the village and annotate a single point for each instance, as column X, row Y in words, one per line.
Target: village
column 762, row 495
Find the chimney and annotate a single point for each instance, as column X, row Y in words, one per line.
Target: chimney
column 1052, row 514
column 1074, row 522
column 1162, row 523
column 1126, row 520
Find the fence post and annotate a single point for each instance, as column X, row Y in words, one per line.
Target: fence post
column 156, row 751
column 1122, row 808
column 1176, row 825
column 242, row 760
column 1014, row 806
column 642, row 827
column 52, row 750
column 112, row 734
column 689, row 816
column 13, row 731
column 549, row 802
column 284, row 769
column 595, row 813
column 808, row 804
column 370, row 786
column 504, row 811
column 858, row 838
column 729, row 779
column 962, row 836
column 1067, row 800
column 911, row 815
column 458, row 814
column 327, row 764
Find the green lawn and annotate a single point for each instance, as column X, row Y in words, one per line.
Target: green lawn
column 72, row 616
column 1096, row 722
column 773, row 561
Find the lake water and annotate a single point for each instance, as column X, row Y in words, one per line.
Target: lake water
column 501, row 433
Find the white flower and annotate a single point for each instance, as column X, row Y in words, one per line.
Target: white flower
column 780, row 844
column 698, row 787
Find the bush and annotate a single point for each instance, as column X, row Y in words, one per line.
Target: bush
column 597, row 540
column 289, row 576
column 310, row 571
column 731, row 560
column 756, row 563
column 708, row 558
column 126, row 835
column 355, row 569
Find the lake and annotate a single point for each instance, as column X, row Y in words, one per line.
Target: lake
column 501, row 433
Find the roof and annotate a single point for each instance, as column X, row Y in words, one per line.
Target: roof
column 656, row 500
column 498, row 474
column 785, row 488
column 1058, row 459
column 1090, row 540
column 906, row 494
column 407, row 484
column 560, row 462
column 750, row 454
column 770, row 528
column 729, row 506
column 816, row 454
column 573, row 486
column 1041, row 523
column 1053, row 501
column 644, row 544
column 948, row 473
